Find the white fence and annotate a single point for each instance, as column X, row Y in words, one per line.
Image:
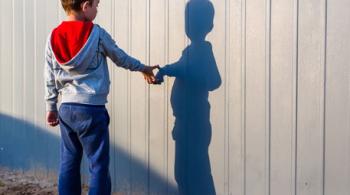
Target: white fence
column 279, row 118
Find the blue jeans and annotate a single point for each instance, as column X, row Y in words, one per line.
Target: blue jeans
column 84, row 128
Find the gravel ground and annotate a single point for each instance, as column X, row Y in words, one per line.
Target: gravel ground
column 19, row 183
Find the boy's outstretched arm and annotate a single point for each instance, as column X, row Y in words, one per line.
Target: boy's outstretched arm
column 51, row 92
column 122, row 59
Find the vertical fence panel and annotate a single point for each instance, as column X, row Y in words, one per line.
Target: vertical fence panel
column 158, row 141
column 39, row 48
column 337, row 110
column 282, row 13
column 310, row 98
column 29, row 77
column 120, row 85
column 6, row 75
column 139, row 99
column 235, row 90
column 17, row 71
column 255, row 112
column 18, row 59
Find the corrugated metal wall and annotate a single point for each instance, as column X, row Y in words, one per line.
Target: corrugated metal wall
column 279, row 120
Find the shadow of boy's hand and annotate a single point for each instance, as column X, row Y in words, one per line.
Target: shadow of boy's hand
column 148, row 74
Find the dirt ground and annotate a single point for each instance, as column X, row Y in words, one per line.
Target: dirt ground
column 19, row 183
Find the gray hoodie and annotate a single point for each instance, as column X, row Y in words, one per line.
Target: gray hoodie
column 85, row 79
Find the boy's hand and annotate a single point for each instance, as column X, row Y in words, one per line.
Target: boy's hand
column 52, row 118
column 148, row 74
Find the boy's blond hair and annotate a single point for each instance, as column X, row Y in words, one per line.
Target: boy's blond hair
column 73, row 5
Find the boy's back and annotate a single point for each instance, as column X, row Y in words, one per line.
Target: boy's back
column 76, row 65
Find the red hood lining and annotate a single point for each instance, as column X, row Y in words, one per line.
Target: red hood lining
column 68, row 39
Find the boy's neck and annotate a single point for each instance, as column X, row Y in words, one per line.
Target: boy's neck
column 76, row 17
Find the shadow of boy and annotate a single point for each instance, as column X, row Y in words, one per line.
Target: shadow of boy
column 195, row 75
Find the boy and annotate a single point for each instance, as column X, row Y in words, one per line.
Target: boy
column 76, row 68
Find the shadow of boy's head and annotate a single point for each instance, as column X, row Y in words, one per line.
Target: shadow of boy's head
column 199, row 16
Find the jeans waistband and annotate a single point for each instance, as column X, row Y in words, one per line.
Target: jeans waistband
column 82, row 105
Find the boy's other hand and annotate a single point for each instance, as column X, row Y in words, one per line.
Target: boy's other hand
column 52, row 118
column 148, row 74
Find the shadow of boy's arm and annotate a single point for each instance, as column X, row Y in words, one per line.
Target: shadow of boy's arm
column 177, row 69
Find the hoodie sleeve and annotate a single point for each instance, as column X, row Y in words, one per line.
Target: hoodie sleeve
column 117, row 55
column 51, row 92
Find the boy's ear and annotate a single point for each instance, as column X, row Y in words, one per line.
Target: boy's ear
column 84, row 6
